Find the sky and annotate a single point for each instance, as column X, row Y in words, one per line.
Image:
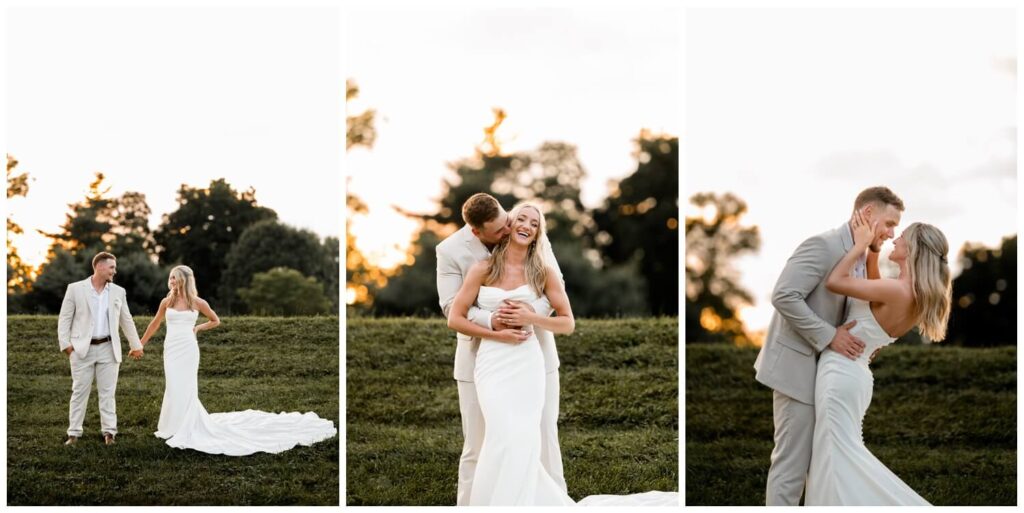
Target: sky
column 162, row 96
column 798, row 110
column 591, row 77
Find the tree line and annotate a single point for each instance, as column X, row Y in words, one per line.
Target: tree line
column 245, row 260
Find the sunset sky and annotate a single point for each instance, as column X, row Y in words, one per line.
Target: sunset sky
column 158, row 97
column 797, row 110
column 591, row 77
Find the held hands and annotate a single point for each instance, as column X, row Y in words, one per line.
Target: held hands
column 136, row 354
column 846, row 344
column 863, row 231
column 512, row 335
column 515, row 313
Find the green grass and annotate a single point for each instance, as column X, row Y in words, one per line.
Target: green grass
column 942, row 418
column 270, row 364
column 619, row 409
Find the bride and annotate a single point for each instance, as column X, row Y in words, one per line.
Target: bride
column 509, row 371
column 184, row 422
column 843, row 471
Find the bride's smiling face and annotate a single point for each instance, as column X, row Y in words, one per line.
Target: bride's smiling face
column 171, row 282
column 525, row 226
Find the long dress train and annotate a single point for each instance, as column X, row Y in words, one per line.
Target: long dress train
column 185, row 424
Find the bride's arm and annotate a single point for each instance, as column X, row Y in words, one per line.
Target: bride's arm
column 213, row 322
column 155, row 323
column 875, row 290
column 563, row 322
column 467, row 294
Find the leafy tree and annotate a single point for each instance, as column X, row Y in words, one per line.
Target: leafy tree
column 19, row 274
column 360, row 128
column 362, row 278
column 713, row 294
column 264, row 246
column 101, row 223
column 639, row 221
column 413, row 288
column 284, row 291
column 61, row 268
column 985, row 296
column 206, row 224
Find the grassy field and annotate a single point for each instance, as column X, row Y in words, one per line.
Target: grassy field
column 270, row 364
column 942, row 418
column 619, row 409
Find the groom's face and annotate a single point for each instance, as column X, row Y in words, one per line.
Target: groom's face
column 106, row 269
column 496, row 229
column 888, row 218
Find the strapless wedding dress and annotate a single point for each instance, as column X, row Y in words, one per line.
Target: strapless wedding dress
column 510, row 385
column 185, row 424
column 843, row 471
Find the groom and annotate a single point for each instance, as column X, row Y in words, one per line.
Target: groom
column 87, row 331
column 804, row 324
column 487, row 223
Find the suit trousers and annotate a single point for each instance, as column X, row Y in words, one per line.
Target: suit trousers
column 791, row 458
column 473, row 428
column 99, row 364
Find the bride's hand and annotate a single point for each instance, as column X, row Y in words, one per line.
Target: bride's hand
column 863, row 231
column 512, row 335
column 516, row 313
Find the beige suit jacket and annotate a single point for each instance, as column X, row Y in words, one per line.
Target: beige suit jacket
column 455, row 255
column 806, row 316
column 75, row 322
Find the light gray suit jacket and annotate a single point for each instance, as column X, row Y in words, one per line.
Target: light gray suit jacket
column 806, row 316
column 75, row 322
column 455, row 255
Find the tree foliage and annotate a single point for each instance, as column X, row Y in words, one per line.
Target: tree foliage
column 19, row 274
column 639, row 221
column 713, row 292
column 985, row 296
column 264, row 246
column 206, row 224
column 283, row 291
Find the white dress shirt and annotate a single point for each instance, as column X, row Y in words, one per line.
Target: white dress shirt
column 100, row 304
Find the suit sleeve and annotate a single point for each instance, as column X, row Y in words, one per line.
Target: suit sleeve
column 67, row 313
column 449, row 280
column 128, row 325
column 804, row 271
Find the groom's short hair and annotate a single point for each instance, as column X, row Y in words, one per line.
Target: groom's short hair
column 101, row 256
column 880, row 195
column 480, row 208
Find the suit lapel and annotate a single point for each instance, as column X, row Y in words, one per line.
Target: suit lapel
column 85, row 287
column 111, row 315
column 476, row 248
column 847, row 236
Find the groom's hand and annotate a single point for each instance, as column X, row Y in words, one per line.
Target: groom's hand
column 846, row 344
column 69, row 350
column 136, row 353
column 496, row 323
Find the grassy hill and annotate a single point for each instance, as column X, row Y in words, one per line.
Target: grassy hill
column 942, row 418
column 618, row 422
column 270, row 364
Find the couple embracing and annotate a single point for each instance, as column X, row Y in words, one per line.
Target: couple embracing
column 833, row 312
column 498, row 284
column 87, row 330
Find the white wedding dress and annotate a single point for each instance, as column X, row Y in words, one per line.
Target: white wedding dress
column 843, row 472
column 185, row 423
column 510, row 387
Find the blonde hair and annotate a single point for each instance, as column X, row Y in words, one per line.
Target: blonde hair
column 930, row 276
column 184, row 287
column 536, row 271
